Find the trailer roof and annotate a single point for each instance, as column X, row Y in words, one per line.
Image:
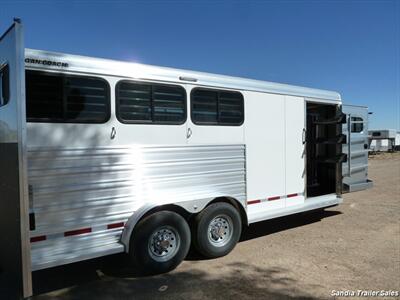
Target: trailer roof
column 39, row 59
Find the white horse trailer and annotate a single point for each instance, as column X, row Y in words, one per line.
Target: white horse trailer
column 384, row 139
column 101, row 157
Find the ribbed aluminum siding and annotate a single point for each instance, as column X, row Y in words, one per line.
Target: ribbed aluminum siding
column 93, row 187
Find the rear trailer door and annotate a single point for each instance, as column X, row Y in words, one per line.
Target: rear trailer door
column 355, row 169
column 15, row 274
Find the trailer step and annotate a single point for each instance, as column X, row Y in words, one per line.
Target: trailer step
column 309, row 204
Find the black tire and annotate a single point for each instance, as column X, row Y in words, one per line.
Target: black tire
column 144, row 255
column 217, row 213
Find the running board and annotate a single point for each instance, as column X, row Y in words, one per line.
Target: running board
column 309, row 204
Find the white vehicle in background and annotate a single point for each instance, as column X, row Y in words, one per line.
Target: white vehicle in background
column 103, row 157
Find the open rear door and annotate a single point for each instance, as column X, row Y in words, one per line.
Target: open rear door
column 15, row 264
column 355, row 169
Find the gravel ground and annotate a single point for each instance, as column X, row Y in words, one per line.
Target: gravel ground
column 355, row 246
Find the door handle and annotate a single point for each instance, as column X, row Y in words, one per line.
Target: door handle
column 188, row 133
column 303, row 136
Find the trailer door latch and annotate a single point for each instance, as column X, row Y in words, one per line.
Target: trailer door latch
column 32, row 221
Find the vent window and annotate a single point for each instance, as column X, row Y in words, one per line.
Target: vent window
column 149, row 103
column 61, row 98
column 212, row 107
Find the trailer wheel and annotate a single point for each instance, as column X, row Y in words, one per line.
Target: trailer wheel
column 159, row 242
column 217, row 230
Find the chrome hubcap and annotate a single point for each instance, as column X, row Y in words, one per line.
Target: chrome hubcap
column 163, row 243
column 220, row 230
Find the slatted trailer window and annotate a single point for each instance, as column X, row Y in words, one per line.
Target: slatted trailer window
column 150, row 103
column 62, row 98
column 216, row 107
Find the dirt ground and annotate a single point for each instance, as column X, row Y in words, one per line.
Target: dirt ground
column 355, row 246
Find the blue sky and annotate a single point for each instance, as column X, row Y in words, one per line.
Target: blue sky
column 352, row 47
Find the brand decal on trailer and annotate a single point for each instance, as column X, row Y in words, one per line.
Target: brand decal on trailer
column 46, row 62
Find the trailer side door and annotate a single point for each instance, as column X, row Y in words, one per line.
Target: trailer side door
column 294, row 150
column 355, row 169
